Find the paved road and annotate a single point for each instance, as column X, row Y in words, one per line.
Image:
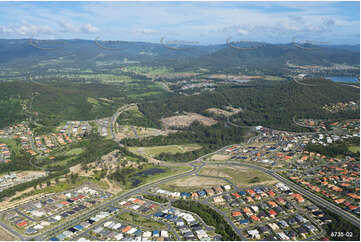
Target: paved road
column 115, row 117
column 196, row 166
column 311, row 196
column 138, row 190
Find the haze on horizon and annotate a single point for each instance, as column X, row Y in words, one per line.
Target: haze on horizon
column 197, row 22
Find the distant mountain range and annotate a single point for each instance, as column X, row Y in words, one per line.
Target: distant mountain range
column 22, row 52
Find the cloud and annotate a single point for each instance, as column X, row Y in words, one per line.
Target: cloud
column 26, row 30
column 68, row 27
column 146, row 31
column 89, row 29
column 242, row 31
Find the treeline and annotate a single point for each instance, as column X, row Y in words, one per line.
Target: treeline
column 20, row 187
column 210, row 217
column 335, row 149
column 210, row 138
column 339, row 224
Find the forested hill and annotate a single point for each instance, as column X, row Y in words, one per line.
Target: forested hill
column 275, row 57
column 272, row 105
column 22, row 52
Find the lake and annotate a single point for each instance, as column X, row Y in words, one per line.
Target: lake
column 349, row 79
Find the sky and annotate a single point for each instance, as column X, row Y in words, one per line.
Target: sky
column 184, row 22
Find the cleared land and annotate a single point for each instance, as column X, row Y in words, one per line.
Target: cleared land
column 156, row 150
column 5, row 236
column 354, row 149
column 218, row 157
column 186, row 120
column 129, row 131
column 240, row 176
column 227, row 111
column 192, row 183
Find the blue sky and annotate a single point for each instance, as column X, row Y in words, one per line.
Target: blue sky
column 201, row 22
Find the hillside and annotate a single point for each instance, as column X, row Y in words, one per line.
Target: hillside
column 26, row 53
column 269, row 104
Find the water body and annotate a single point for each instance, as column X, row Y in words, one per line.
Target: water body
column 348, row 79
column 148, row 172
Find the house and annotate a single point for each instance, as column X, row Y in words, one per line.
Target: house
column 218, row 199
column 236, row 213
column 272, row 213
column 300, row 218
column 236, row 195
column 262, row 215
column 164, row 234
column 272, row 204
column 254, row 234
column 255, row 209
column 235, row 203
column 282, row 236
column 202, row 193
column 247, row 211
column 271, row 193
column 209, row 191
column 273, row 226
column 243, row 221
column 263, row 229
column 218, row 189
column 292, row 234
column 312, row 208
column 242, row 193
column 194, row 195
column 298, row 197
column 251, row 192
column 227, row 187
column 255, row 218
column 249, row 199
column 283, row 224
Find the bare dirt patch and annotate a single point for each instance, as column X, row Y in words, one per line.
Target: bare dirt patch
column 128, row 131
column 194, row 182
column 186, row 120
column 227, row 111
column 5, row 236
column 218, row 157
column 241, row 176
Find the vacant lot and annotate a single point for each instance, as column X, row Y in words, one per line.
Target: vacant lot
column 192, row 183
column 218, row 157
column 227, row 111
column 5, row 236
column 354, row 149
column 186, row 120
column 156, row 150
column 240, row 176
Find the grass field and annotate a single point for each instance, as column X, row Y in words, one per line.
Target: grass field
column 11, row 145
column 240, row 176
column 92, row 101
column 142, row 221
column 75, row 151
column 354, row 148
column 156, row 150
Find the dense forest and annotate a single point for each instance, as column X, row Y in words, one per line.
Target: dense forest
column 210, row 138
column 269, row 104
column 341, row 225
